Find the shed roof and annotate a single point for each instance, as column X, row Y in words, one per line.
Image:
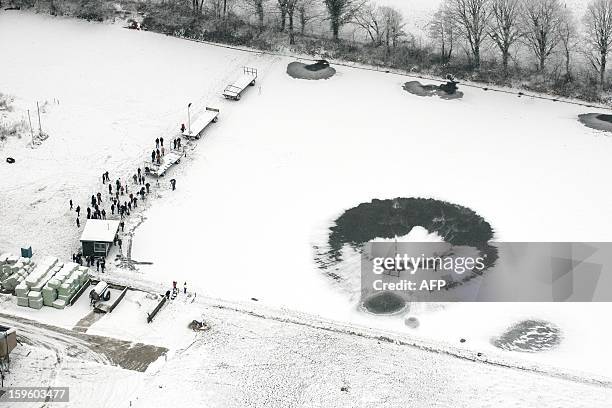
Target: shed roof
column 100, row 230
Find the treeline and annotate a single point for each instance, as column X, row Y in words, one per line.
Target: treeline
column 540, row 45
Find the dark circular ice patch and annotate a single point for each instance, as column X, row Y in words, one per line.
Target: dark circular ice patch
column 384, row 303
column 598, row 121
column 529, row 336
column 416, row 88
column 318, row 70
column 457, row 225
column 411, row 322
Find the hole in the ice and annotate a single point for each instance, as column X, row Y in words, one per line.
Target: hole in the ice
column 392, row 218
column 384, row 303
column 598, row 121
column 529, row 336
column 318, row 70
column 444, row 91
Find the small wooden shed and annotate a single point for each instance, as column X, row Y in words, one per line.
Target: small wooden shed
column 98, row 237
column 8, row 341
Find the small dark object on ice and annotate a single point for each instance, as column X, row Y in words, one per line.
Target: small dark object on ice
column 10, row 160
column 450, row 87
column 318, row 65
column 198, row 326
column 344, row 388
column 255, row 299
column 479, row 354
column 133, row 25
column 462, row 341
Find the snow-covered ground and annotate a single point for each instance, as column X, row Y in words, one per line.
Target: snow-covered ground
column 260, row 357
column 261, row 189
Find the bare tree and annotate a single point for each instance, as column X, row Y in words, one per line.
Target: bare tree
column 292, row 6
column 504, row 28
column 598, row 29
column 258, row 7
column 442, row 29
column 306, row 13
column 369, row 18
column 341, row 12
column 393, row 26
column 197, row 6
column 220, row 8
column 282, row 7
column 541, row 21
column 568, row 39
column 472, row 17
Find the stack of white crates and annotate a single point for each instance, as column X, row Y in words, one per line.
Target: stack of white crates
column 64, row 285
column 29, row 291
column 13, row 270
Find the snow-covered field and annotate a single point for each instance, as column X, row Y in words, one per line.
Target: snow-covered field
column 261, row 189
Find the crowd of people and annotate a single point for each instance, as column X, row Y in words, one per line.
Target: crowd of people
column 122, row 199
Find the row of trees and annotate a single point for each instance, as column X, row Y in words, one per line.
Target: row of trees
column 543, row 27
column 384, row 25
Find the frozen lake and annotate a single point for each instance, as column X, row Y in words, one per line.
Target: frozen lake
column 266, row 181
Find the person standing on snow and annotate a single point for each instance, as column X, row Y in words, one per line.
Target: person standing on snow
column 153, row 156
column 70, row 204
column 78, row 210
column 161, row 141
column 157, row 143
column 78, row 222
column 185, row 288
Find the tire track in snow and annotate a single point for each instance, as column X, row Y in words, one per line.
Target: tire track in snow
column 96, row 349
